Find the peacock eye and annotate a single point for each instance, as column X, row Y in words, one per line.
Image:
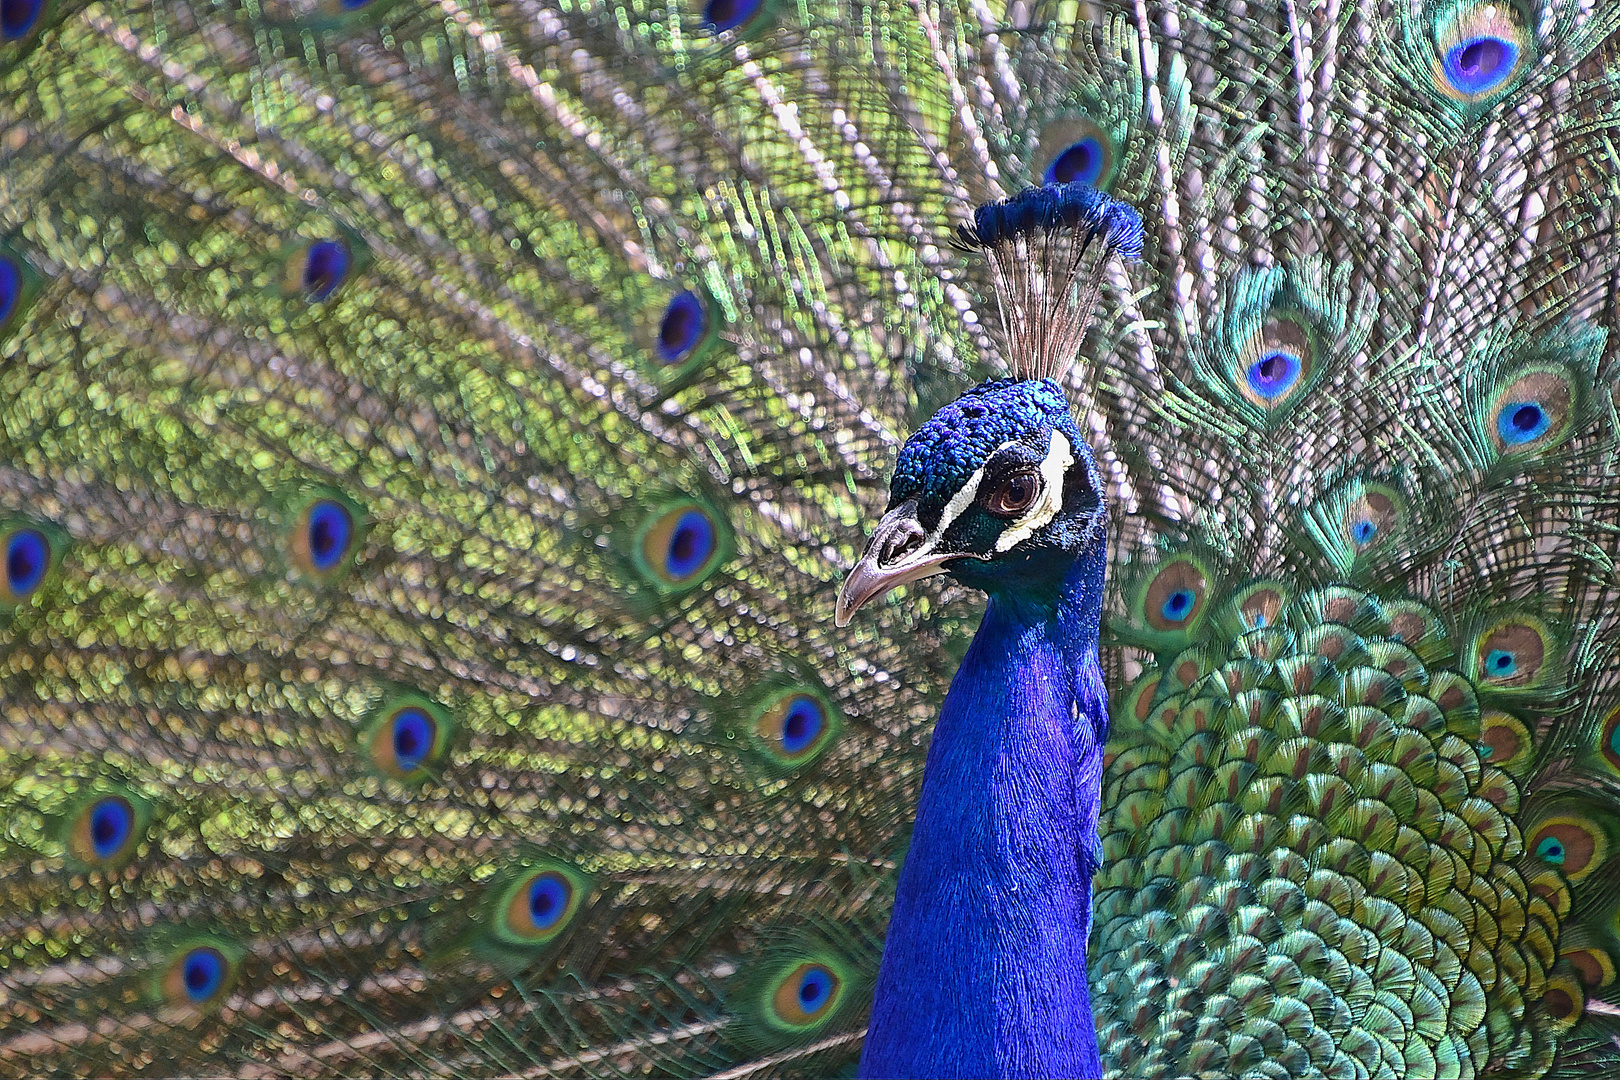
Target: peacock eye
column 1015, row 494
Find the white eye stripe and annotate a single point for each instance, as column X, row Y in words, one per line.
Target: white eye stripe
column 1059, row 456
column 958, row 505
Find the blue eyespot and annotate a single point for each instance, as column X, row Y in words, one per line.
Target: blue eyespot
column 202, row 973
column 791, row 725
column 28, row 556
column 329, row 530
column 199, row 974
column 802, row 725
column 112, row 820
column 325, row 266
column 806, row 996
column 815, row 987
column 1519, row 422
column 1480, row 64
column 407, row 737
column 103, row 832
column 10, row 274
column 722, row 15
column 1362, row 532
column 678, row 546
column 1079, row 162
column 1274, row 374
column 1499, row 664
column 691, row 543
column 681, row 328
column 413, row 739
column 548, row 901
column 17, row 18
column 537, row 906
column 1551, row 850
column 1178, row 605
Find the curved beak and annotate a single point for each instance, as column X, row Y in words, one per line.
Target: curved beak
column 898, row 551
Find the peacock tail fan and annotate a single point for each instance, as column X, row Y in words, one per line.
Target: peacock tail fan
column 432, row 433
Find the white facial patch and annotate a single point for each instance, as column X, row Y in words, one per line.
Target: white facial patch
column 1059, row 456
column 957, row 506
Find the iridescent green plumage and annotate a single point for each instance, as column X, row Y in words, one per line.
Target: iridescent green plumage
column 390, row 532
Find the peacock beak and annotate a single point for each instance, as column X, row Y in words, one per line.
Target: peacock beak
column 899, row 550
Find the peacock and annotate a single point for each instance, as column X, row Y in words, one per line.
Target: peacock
column 746, row 538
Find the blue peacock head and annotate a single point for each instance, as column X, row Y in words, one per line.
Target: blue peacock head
column 999, row 485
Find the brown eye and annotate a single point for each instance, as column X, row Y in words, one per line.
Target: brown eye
column 1016, row 494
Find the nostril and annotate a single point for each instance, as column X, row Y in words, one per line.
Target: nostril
column 906, row 538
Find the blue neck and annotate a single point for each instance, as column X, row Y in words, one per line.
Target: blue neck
column 984, row 966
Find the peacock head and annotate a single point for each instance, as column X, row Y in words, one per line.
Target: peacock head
column 998, row 489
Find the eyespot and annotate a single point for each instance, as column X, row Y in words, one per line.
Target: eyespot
column 407, row 737
column 1594, row 966
column 1371, row 519
column 1075, row 149
column 19, row 281
column 1534, row 410
column 1508, row 741
column 1564, row 1000
column 679, row 334
column 806, row 995
column 199, row 975
column 325, row 268
column 1519, row 422
column 1259, row 604
column 1014, row 495
column 681, row 545
column 1275, row 373
column 1479, row 50
column 537, row 904
column 11, row 276
column 413, row 737
column 1178, row 605
column 1575, row 845
column 1609, row 738
column 1415, row 626
column 1174, row 597
column 1480, row 64
column 720, row 16
column 18, row 18
column 325, row 536
column 105, row 829
column 1513, row 653
column 29, row 555
column 793, row 725
column 681, row 329
column 541, row 905
column 1279, row 363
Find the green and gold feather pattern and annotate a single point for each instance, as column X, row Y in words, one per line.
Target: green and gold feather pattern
column 432, row 433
